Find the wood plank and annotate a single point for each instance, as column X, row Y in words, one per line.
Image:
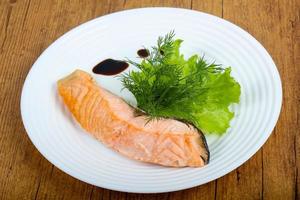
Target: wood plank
column 5, row 13
column 214, row 7
column 279, row 166
column 129, row 4
column 295, row 23
column 28, row 27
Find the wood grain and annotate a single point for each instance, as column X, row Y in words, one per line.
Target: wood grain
column 27, row 27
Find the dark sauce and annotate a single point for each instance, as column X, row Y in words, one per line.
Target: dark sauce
column 143, row 53
column 110, row 67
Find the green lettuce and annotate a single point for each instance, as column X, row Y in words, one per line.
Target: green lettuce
column 166, row 85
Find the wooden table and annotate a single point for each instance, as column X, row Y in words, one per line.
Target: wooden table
column 27, row 27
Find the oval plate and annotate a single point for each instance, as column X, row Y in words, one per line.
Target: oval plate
column 59, row 138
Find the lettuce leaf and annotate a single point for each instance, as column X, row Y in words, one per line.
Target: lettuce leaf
column 212, row 113
column 168, row 85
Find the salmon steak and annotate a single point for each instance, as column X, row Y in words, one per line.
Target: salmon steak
column 115, row 123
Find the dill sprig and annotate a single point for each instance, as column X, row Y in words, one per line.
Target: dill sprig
column 165, row 84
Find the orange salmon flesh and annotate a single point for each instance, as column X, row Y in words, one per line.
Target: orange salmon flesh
column 111, row 120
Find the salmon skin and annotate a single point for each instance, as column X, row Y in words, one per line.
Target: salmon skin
column 111, row 120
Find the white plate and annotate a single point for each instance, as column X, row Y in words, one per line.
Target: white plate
column 58, row 137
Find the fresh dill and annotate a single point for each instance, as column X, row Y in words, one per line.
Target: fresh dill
column 166, row 85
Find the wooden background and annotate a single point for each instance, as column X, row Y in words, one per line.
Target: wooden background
column 27, row 27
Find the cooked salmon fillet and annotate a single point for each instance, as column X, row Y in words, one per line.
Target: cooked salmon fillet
column 111, row 120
